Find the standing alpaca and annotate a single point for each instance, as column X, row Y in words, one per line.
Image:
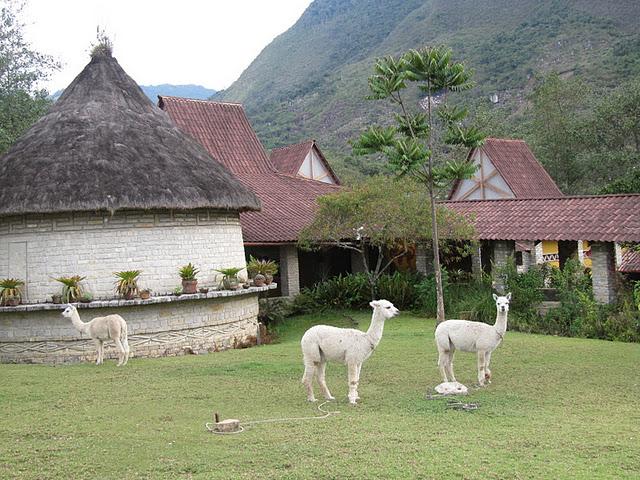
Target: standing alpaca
column 346, row 345
column 471, row 337
column 100, row 329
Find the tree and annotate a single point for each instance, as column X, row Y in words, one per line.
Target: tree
column 414, row 145
column 381, row 214
column 21, row 68
column 560, row 112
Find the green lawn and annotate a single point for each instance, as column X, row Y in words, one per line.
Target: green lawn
column 557, row 408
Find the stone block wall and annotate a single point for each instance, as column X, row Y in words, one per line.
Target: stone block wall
column 155, row 329
column 603, row 271
column 37, row 248
column 289, row 271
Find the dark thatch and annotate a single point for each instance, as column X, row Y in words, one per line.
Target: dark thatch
column 105, row 146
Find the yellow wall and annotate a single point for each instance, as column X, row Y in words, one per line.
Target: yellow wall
column 550, row 253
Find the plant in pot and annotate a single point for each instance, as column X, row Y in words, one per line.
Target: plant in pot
column 230, row 277
column 72, row 290
column 261, row 270
column 11, row 292
column 189, row 281
column 86, row 297
column 127, row 283
column 145, row 294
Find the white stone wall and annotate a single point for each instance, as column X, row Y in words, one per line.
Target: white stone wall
column 39, row 247
column 155, row 329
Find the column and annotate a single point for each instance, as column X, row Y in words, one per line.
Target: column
column 502, row 250
column 289, row 271
column 603, row 271
column 476, row 260
column 424, row 260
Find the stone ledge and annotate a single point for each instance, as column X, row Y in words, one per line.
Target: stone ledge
column 35, row 307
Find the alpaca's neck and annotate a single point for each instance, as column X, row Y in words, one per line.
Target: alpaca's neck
column 501, row 323
column 374, row 334
column 79, row 324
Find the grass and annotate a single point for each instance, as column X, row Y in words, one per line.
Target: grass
column 557, row 408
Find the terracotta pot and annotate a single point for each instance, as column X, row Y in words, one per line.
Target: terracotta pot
column 268, row 279
column 230, row 283
column 189, row 286
column 57, row 299
column 12, row 301
column 145, row 294
column 204, row 291
column 259, row 280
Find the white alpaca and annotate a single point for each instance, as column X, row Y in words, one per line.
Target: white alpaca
column 471, row 337
column 346, row 345
column 100, row 329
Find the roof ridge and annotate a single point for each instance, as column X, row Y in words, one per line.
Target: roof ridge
column 284, row 147
column 199, row 100
column 507, row 139
column 564, row 197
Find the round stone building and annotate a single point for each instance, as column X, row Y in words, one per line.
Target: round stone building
column 105, row 182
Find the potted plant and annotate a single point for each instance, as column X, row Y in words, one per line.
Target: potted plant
column 56, row 298
column 127, row 283
column 189, row 282
column 177, row 291
column 11, row 293
column 71, row 288
column 203, row 290
column 230, row 277
column 145, row 294
column 86, row 297
column 262, row 271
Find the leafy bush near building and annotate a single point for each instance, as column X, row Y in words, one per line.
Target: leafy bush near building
column 578, row 313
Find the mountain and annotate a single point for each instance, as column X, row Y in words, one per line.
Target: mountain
column 152, row 91
column 310, row 82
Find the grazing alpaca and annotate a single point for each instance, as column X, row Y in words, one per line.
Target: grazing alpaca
column 100, row 329
column 346, row 345
column 471, row 337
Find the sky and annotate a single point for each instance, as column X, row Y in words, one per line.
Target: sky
column 207, row 42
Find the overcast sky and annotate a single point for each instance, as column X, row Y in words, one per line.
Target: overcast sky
column 207, row 42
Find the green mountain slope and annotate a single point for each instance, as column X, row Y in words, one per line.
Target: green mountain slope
column 311, row 80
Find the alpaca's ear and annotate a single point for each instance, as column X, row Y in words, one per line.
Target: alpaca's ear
column 373, row 304
column 495, row 297
column 509, row 296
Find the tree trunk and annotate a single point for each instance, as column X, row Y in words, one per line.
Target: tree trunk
column 436, row 261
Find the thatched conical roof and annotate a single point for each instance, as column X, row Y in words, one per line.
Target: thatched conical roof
column 104, row 146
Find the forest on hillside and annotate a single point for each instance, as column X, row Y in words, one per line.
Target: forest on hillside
column 558, row 73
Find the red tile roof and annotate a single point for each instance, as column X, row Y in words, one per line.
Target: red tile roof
column 612, row 218
column 630, row 261
column 520, row 169
column 288, row 202
column 288, row 159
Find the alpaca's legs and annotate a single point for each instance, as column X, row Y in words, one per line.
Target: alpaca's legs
column 125, row 345
column 481, row 367
column 352, row 369
column 307, row 379
column 98, row 344
column 358, row 379
column 449, row 366
column 121, row 351
column 487, row 372
column 320, row 372
column 443, row 359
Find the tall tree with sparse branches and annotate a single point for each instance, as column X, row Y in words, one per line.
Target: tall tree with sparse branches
column 412, row 145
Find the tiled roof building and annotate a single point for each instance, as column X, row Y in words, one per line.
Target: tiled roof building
column 506, row 169
column 304, row 160
column 288, row 200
